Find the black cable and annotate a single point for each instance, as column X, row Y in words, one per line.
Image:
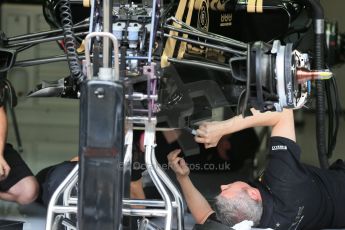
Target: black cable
column 337, row 111
column 239, row 101
column 303, row 29
column 330, row 117
column 248, row 81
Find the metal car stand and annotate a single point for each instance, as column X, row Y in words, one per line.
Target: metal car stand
column 102, row 177
column 69, row 204
column 159, row 208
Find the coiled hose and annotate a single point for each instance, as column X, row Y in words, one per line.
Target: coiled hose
column 69, row 41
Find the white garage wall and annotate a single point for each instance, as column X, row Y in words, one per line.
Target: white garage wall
column 48, row 126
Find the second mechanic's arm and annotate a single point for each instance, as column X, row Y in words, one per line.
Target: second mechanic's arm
column 3, row 129
column 4, row 167
column 196, row 202
column 282, row 124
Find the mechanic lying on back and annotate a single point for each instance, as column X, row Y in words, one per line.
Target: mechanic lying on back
column 289, row 194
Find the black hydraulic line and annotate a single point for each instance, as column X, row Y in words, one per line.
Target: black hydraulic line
column 43, row 33
column 200, row 64
column 330, row 118
column 207, row 36
column 319, row 27
column 317, row 9
column 222, row 48
column 41, row 40
column 303, row 29
column 246, row 98
column 335, row 112
column 338, row 111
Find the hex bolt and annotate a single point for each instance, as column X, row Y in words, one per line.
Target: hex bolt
column 99, row 92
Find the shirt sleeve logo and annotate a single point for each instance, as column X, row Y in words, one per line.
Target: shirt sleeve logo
column 279, row 147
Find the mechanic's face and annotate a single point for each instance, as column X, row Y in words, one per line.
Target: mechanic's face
column 230, row 190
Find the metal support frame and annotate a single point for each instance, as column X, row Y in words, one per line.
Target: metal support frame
column 151, row 168
column 69, row 203
column 176, row 194
column 171, row 198
column 159, row 208
column 127, row 160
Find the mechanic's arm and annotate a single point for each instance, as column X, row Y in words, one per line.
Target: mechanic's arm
column 196, row 202
column 4, row 167
column 282, row 124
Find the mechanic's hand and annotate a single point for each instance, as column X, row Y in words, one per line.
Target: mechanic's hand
column 177, row 164
column 4, row 169
column 208, row 133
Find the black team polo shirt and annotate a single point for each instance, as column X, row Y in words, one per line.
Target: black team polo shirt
column 298, row 196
